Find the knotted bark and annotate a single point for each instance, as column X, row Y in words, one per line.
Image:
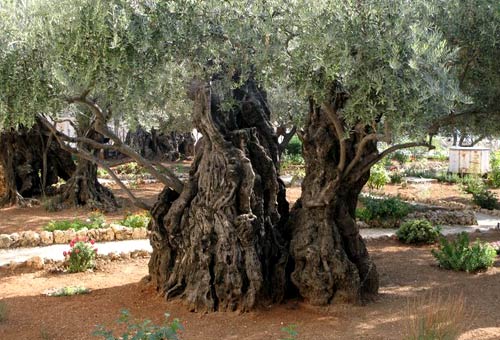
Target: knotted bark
column 218, row 245
column 31, row 162
column 331, row 262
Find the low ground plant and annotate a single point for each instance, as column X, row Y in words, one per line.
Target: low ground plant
column 94, row 221
column 68, row 291
column 136, row 220
column 494, row 174
column 391, row 208
column 294, row 147
column 3, row 311
column 291, row 331
column 481, row 196
column 434, row 317
column 379, row 177
column 461, row 255
column 418, row 231
column 81, row 255
column 144, row 330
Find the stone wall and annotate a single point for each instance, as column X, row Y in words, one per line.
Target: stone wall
column 115, row 232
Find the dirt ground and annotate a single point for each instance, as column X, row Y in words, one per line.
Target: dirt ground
column 15, row 219
column 405, row 273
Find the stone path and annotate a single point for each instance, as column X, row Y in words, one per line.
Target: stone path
column 55, row 252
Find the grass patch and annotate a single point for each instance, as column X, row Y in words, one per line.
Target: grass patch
column 68, row 291
column 95, row 221
column 3, row 311
column 136, row 220
column 435, row 317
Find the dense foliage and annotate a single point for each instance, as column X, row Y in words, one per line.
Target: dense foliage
column 382, row 208
column 417, row 231
column 460, row 255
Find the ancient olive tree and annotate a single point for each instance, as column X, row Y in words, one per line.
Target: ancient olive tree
column 371, row 71
column 91, row 63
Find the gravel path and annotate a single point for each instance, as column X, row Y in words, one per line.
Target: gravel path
column 55, row 252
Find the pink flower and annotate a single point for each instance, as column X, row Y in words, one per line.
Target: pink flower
column 77, row 250
column 65, row 253
column 92, row 242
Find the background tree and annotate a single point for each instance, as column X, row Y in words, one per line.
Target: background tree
column 85, row 61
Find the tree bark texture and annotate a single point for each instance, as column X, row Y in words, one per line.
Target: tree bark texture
column 31, row 162
column 331, row 262
column 219, row 245
column 83, row 188
column 161, row 146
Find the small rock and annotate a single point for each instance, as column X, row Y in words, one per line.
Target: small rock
column 29, row 239
column 125, row 256
column 106, row 234
column 82, row 233
column 15, row 238
column 70, row 235
column 36, row 262
column 139, row 233
column 46, row 237
column 93, row 234
column 5, row 241
column 59, row 237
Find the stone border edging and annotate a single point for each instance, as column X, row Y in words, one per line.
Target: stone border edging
column 115, row 232
column 38, row 263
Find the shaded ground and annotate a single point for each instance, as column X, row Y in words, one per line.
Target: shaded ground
column 16, row 219
column 405, row 272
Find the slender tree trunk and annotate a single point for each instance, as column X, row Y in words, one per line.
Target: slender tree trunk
column 218, row 245
column 287, row 137
column 331, row 262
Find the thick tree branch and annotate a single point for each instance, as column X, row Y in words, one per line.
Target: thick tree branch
column 171, row 180
column 370, row 162
column 339, row 130
column 61, row 138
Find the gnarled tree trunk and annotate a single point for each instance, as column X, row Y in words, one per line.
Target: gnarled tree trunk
column 32, row 161
column 219, row 245
column 83, row 188
column 331, row 262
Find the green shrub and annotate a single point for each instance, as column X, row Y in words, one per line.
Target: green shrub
column 401, row 157
column 94, row 221
column 380, row 208
column 460, row 255
column 485, row 199
column 291, row 331
column 290, row 159
column 417, row 231
column 494, row 174
column 379, row 177
column 472, row 184
column 396, row 177
column 68, row 291
column 481, row 196
column 3, row 311
column 131, row 168
column 144, row 330
column 136, row 220
column 294, row 147
column 81, row 256
column 445, row 177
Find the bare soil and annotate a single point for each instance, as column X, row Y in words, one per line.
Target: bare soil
column 405, row 273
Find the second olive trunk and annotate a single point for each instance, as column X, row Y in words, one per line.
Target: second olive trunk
column 331, row 262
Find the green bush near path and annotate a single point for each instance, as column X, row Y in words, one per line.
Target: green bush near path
column 95, row 221
column 460, row 255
